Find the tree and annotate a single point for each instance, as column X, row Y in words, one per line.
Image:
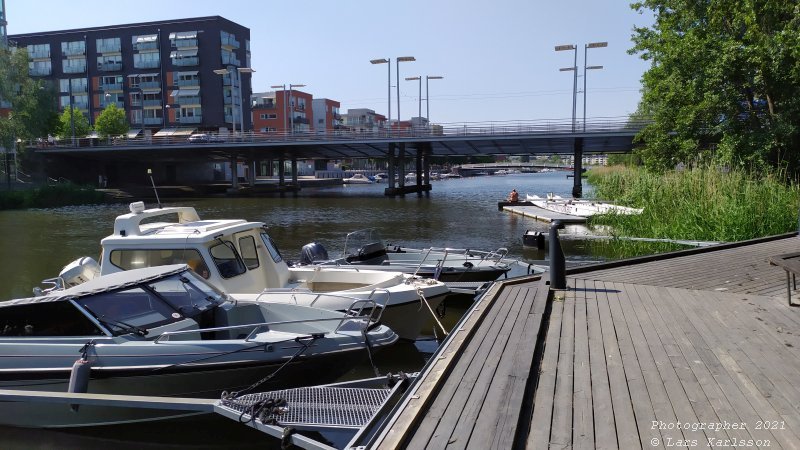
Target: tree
column 724, row 82
column 73, row 117
column 32, row 102
column 111, row 122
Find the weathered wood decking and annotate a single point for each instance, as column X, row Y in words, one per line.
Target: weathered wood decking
column 695, row 351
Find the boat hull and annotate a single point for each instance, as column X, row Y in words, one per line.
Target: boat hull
column 198, row 382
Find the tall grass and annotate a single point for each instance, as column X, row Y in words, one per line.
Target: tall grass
column 50, row 196
column 700, row 204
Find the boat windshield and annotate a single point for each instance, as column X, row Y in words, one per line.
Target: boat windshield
column 152, row 304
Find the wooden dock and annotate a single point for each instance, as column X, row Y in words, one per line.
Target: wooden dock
column 693, row 349
column 527, row 209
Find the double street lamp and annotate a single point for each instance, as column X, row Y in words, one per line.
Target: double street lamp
column 397, row 71
column 237, row 79
column 288, row 103
column 574, row 70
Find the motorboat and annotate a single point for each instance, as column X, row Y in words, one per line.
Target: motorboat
column 381, row 178
column 358, row 178
column 241, row 259
column 165, row 331
column 366, row 249
column 579, row 207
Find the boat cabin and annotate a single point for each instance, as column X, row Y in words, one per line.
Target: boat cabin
column 130, row 303
column 236, row 255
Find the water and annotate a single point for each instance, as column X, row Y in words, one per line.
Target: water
column 458, row 213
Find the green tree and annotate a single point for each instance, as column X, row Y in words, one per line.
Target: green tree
column 724, row 81
column 111, row 122
column 73, row 117
column 32, row 102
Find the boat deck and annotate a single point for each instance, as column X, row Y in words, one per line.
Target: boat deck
column 673, row 350
column 543, row 215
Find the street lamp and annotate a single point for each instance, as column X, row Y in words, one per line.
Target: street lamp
column 388, row 63
column 223, row 72
column 397, row 72
column 283, row 90
column 419, row 78
column 574, row 69
column 428, row 96
column 240, row 71
column 585, row 68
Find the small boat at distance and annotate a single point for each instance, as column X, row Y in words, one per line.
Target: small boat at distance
column 579, row 207
column 357, row 178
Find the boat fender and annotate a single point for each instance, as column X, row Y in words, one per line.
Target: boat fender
column 79, row 379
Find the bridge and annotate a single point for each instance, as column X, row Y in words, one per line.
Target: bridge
column 603, row 135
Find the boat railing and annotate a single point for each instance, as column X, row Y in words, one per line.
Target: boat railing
column 54, row 284
column 266, row 326
column 496, row 256
column 356, row 303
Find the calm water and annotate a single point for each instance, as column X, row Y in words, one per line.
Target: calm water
column 460, row 213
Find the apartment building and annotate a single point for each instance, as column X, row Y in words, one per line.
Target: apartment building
column 284, row 111
column 364, row 120
column 326, row 115
column 171, row 77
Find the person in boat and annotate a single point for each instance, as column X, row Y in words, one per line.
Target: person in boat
column 199, row 267
column 513, row 196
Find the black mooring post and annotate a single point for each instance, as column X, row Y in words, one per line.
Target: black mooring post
column 558, row 275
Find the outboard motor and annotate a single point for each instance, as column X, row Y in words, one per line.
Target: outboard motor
column 313, row 252
column 79, row 271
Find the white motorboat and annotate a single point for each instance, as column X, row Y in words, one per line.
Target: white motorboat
column 366, row 249
column 164, row 331
column 579, row 207
column 381, row 178
column 241, row 259
column 357, row 178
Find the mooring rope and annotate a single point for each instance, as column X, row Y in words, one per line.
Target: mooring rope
column 433, row 314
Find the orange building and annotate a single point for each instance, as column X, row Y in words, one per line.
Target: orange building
column 284, row 111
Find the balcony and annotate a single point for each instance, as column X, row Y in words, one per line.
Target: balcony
column 153, row 121
column 230, row 42
column 150, row 85
column 186, row 62
column 75, row 68
column 41, row 54
column 188, row 83
column 185, row 101
column 152, row 103
column 143, row 46
column 119, row 105
column 109, row 49
column 40, row 71
column 193, row 119
column 109, row 67
column 73, row 51
column 185, row 43
column 147, row 64
column 110, row 87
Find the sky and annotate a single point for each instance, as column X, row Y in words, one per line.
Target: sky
column 497, row 58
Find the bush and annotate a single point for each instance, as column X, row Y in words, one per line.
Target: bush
column 50, row 197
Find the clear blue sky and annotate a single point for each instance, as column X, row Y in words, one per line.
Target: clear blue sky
column 497, row 58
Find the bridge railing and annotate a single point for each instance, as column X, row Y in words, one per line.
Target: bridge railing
column 434, row 131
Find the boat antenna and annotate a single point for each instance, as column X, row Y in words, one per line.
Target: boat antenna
column 150, row 174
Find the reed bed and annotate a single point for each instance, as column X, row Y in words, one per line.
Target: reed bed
column 705, row 204
column 50, row 197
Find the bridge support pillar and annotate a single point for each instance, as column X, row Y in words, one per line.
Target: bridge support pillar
column 418, row 167
column 577, row 166
column 391, row 168
column 251, row 175
column 281, row 170
column 426, row 166
column 401, row 166
column 294, row 171
column 234, row 172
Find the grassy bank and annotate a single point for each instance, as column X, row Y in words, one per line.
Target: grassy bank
column 701, row 204
column 50, row 197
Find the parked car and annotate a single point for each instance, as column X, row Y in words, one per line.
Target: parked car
column 204, row 137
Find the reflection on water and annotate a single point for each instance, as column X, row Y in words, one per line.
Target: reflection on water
column 458, row 213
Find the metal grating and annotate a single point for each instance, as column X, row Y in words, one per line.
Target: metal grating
column 318, row 406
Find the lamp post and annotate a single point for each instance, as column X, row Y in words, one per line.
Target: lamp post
column 585, row 68
column 574, row 69
column 283, row 90
column 240, row 71
column 419, row 78
column 71, row 113
column 388, row 63
column 223, row 72
column 397, row 72
column 428, row 96
column 291, row 106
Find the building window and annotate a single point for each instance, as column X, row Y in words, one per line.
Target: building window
column 185, row 58
column 40, row 68
column 109, row 45
column 149, row 60
column 109, row 63
column 268, row 116
column 74, row 48
column 39, row 51
column 145, row 42
column 74, row 65
column 183, row 39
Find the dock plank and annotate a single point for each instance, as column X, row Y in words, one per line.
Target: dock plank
column 561, row 432
column 604, row 424
column 539, row 435
column 582, row 412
